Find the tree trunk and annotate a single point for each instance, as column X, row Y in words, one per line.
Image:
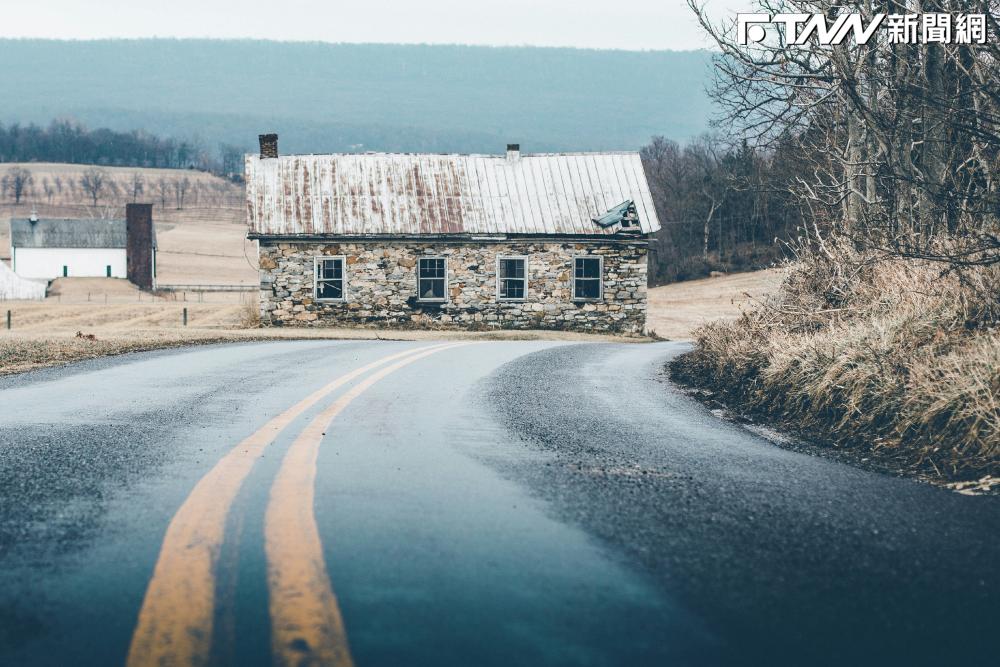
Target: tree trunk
column 708, row 222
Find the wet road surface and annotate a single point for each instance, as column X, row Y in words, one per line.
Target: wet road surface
column 498, row 503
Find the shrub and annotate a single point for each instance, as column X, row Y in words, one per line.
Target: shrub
column 899, row 357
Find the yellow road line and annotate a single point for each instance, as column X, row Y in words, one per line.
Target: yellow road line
column 306, row 625
column 175, row 622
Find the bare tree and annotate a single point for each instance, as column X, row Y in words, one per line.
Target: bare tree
column 232, row 160
column 49, row 190
column 114, row 189
column 93, row 182
column 17, row 181
column 181, row 187
column 163, row 191
column 138, row 185
column 711, row 182
column 897, row 144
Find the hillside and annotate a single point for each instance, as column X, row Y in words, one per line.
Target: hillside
column 201, row 242
column 330, row 97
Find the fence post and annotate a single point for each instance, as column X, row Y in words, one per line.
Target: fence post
column 8, row 320
column 185, row 316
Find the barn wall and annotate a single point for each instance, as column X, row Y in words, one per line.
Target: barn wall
column 82, row 262
column 382, row 286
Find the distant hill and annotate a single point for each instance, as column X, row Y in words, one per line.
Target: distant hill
column 334, row 97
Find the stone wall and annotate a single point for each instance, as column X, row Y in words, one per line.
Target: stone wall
column 382, row 286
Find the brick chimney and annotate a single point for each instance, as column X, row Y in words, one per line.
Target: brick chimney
column 268, row 145
column 140, row 255
column 513, row 152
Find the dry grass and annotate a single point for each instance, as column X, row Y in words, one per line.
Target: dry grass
column 890, row 356
column 676, row 310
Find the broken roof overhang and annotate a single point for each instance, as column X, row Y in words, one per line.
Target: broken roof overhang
column 624, row 214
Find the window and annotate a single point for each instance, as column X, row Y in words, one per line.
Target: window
column 330, row 279
column 587, row 278
column 431, row 278
column 512, row 278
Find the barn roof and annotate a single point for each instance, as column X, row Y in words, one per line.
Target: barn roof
column 65, row 233
column 68, row 233
column 420, row 194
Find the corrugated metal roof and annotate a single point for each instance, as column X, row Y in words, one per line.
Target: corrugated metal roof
column 55, row 233
column 413, row 194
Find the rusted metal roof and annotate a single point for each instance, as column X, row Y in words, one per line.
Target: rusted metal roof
column 414, row 194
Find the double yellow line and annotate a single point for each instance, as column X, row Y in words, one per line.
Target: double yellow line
column 176, row 618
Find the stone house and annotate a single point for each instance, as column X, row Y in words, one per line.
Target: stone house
column 515, row 241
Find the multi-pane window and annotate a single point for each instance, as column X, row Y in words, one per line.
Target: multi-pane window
column 512, row 278
column 431, row 278
column 330, row 278
column 587, row 282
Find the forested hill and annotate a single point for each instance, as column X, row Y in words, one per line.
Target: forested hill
column 329, row 97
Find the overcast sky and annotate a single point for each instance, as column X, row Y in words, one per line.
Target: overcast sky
column 620, row 24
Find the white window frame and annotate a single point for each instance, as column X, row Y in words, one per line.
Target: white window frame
column 523, row 258
column 317, row 280
column 600, row 279
column 444, row 299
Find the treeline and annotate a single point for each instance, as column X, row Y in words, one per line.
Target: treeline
column 67, row 141
column 722, row 207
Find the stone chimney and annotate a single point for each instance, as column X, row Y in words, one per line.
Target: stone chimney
column 140, row 254
column 513, row 152
column 268, row 145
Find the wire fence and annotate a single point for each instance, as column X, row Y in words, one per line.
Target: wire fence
column 112, row 298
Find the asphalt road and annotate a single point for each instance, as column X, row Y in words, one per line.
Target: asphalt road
column 502, row 503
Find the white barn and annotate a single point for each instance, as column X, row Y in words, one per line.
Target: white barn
column 59, row 248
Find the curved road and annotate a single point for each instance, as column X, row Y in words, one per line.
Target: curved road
column 500, row 503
